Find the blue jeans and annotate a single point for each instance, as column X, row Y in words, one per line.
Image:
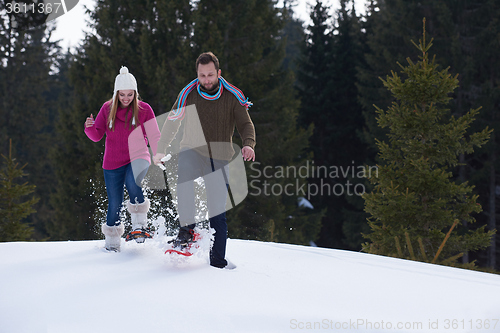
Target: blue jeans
column 191, row 166
column 115, row 181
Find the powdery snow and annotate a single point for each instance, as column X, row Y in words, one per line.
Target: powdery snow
column 73, row 287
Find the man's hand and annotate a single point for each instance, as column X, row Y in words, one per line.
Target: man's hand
column 248, row 153
column 157, row 159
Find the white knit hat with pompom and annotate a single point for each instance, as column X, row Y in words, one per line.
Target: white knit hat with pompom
column 125, row 81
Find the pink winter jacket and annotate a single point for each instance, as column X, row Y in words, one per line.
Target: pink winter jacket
column 124, row 145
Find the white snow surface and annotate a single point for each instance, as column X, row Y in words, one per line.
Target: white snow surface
column 73, row 287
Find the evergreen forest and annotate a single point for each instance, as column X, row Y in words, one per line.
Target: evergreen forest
column 376, row 131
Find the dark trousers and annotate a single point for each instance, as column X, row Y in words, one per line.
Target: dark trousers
column 193, row 165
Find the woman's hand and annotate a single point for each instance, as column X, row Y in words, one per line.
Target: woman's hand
column 90, row 121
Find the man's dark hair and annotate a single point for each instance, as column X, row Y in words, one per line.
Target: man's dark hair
column 206, row 58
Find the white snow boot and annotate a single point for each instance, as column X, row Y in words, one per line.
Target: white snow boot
column 139, row 215
column 112, row 236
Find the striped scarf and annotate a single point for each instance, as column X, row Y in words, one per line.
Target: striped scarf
column 195, row 84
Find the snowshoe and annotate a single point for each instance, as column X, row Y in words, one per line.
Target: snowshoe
column 184, row 242
column 139, row 235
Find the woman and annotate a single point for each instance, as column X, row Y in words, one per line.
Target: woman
column 128, row 124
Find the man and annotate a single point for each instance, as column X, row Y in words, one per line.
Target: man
column 219, row 107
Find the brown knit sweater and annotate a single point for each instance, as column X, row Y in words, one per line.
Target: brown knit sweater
column 218, row 119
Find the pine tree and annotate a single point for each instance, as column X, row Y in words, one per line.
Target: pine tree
column 416, row 205
column 327, row 86
column 27, row 60
column 13, row 206
column 16, row 18
column 390, row 25
column 295, row 37
column 476, row 49
column 466, row 33
column 313, row 75
column 346, row 136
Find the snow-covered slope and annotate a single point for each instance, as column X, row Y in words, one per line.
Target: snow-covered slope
column 72, row 287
